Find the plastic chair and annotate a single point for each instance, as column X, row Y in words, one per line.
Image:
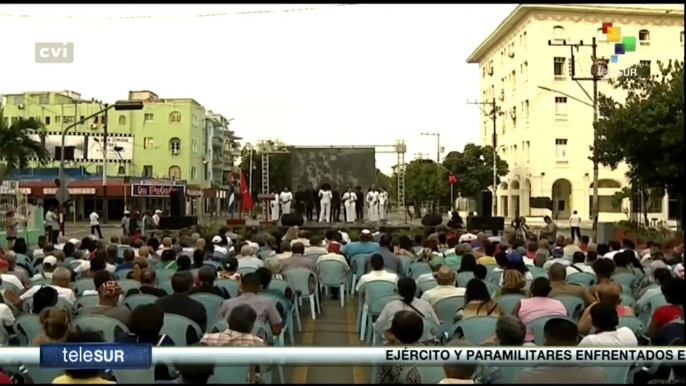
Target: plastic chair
column 373, row 311
column 166, row 286
column 627, row 280
column 42, row 375
column 164, row 275
column 418, row 269
column 137, row 377
column 300, row 279
column 121, row 249
column 475, row 329
column 229, row 375
column 427, row 374
column 538, row 324
column 9, row 286
column 40, row 282
column 646, row 314
column 332, row 274
column 86, row 301
column 446, row 309
column 133, row 301
column 616, row 375
column 538, row 271
column 492, row 288
column 231, row 286
column 573, row 304
column 582, row 278
column 287, row 309
column 463, row 278
column 372, row 290
column 494, row 277
column 264, row 331
column 426, row 285
column 246, row 270
column 108, row 327
column 634, row 323
column 128, row 284
column 176, row 326
column 211, row 302
column 358, row 266
column 405, row 262
column 628, row 300
column 122, row 273
column 83, row 285
column 314, row 256
column 508, row 302
column 27, row 327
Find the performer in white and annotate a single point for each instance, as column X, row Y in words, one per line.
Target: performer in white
column 383, row 204
column 274, row 206
column 285, row 198
column 325, row 196
column 156, row 217
column 349, row 198
column 373, row 204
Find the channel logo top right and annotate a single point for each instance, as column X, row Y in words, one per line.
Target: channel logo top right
column 623, row 44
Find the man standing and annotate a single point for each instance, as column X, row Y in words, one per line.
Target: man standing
column 317, row 204
column 310, row 196
column 156, row 218
column 349, row 199
column 126, row 222
column 300, row 201
column 550, row 230
column 383, row 204
column 336, row 204
column 285, row 198
column 359, row 203
column 274, row 206
column 95, row 223
column 575, row 225
column 373, row 204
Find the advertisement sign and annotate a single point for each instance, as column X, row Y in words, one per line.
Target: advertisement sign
column 140, row 190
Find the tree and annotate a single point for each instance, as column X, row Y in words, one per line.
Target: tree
column 17, row 146
column 646, row 132
column 386, row 182
column 424, row 182
column 474, row 169
column 279, row 167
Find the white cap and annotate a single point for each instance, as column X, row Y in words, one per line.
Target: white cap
column 51, row 260
column 469, row 237
column 126, row 211
column 216, row 239
column 74, row 241
column 366, row 232
column 158, row 211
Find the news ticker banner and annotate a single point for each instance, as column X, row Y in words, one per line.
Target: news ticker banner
column 143, row 356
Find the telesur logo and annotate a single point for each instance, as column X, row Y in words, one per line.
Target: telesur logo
column 54, row 52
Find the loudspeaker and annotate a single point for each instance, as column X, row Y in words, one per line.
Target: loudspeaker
column 484, row 204
column 493, row 224
column 292, row 219
column 177, row 203
column 180, row 222
column 432, row 220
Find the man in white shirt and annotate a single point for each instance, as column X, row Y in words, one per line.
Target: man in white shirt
column 285, row 251
column 246, row 259
column 575, row 225
column 383, row 204
column 156, row 217
column 569, row 247
column 61, row 282
column 334, row 254
column 217, row 242
column 579, row 265
column 377, row 273
column 445, row 277
column 373, row 204
column 7, row 277
column 605, row 320
column 615, row 247
column 558, row 257
column 49, row 265
column 316, row 246
column 95, row 223
column 285, row 199
column 467, row 237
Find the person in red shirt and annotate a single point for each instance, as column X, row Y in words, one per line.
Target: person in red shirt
column 583, row 245
column 663, row 315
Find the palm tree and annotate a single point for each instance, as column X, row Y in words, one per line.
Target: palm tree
column 18, row 145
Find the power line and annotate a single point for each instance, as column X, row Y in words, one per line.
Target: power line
column 173, row 16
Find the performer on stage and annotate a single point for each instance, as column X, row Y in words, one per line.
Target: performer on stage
column 285, row 198
column 349, row 199
column 315, row 199
column 335, row 204
column 383, row 204
column 359, row 204
column 274, row 205
column 310, row 196
column 373, row 204
column 325, row 197
column 300, row 201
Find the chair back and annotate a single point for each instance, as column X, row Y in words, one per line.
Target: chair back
column 133, row 301
column 377, row 304
column 427, row 285
column 378, row 288
column 166, row 287
column 492, row 288
column 128, row 284
column 331, row 272
column 231, row 286
column 246, row 270
column 135, row 377
column 538, row 324
column 122, row 273
column 405, row 262
column 314, row 256
column 494, row 277
column 211, row 302
column 177, row 326
column 475, row 329
column 9, row 286
column 27, row 327
column 446, row 309
column 416, row 270
column 264, row 331
column 43, row 376
column 358, row 264
column 229, row 374
column 300, row 279
column 582, row 278
column 463, row 278
column 121, row 249
column 627, row 280
column 86, row 301
column 164, row 275
column 108, row 327
column 633, row 323
column 508, row 302
column 646, row 314
column 538, row 271
column 573, row 304
column 83, row 285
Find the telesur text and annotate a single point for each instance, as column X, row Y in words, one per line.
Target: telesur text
column 96, row 356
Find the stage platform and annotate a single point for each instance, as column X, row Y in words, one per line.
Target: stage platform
column 317, row 226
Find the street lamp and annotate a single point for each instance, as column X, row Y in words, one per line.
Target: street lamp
column 62, row 192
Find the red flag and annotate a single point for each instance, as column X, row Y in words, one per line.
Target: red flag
column 246, row 197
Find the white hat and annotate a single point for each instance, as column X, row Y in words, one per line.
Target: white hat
column 366, row 232
column 126, row 211
column 158, row 211
column 74, row 241
column 216, row 239
column 50, row 260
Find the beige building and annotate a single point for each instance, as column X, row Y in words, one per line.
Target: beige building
column 545, row 136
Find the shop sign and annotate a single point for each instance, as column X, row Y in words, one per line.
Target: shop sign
column 139, row 190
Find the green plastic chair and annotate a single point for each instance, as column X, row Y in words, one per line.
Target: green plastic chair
column 463, row 278
column 426, row 285
column 573, row 304
column 108, row 327
column 538, row 324
column 475, row 329
column 373, row 311
column 314, row 256
column 582, row 278
column 164, row 275
column 166, row 286
column 133, row 301
column 128, row 284
column 492, row 288
column 627, row 280
column 299, row 279
column 538, row 272
column 246, row 270
column 9, row 286
column 229, row 375
column 332, row 274
column 40, row 282
column 219, row 325
column 42, row 375
column 264, row 331
column 373, row 289
column 176, row 327
column 427, row 374
column 137, row 377
column 122, row 273
column 494, row 277
column 86, row 301
column 418, row 269
column 616, row 375
column 446, row 309
column 231, row 286
column 287, row 310
column 634, row 323
column 27, row 327
column 211, row 302
column 83, row 285
column 509, row 302
column 358, row 267
column 646, row 314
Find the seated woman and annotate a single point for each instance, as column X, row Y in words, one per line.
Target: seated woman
column 148, row 279
column 55, row 323
column 663, row 315
column 513, row 283
column 478, row 301
column 230, row 268
column 538, row 305
column 608, row 294
column 406, row 330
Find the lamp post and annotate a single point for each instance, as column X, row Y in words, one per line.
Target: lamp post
column 62, row 192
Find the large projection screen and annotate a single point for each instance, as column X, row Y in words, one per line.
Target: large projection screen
column 337, row 166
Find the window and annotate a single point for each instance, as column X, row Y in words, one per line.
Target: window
column 644, row 67
column 15, row 120
column 148, row 117
column 147, row 143
column 194, row 147
column 559, row 67
column 502, row 57
column 561, row 149
column 485, row 128
column 44, row 99
column 520, row 40
column 82, row 118
column 527, row 147
column 526, row 108
column 194, row 172
column 67, row 119
column 524, row 38
column 514, row 79
column 95, row 119
column 121, row 170
column 147, row 171
column 681, row 37
column 513, row 114
column 18, row 100
column 561, row 106
column 58, row 119
column 175, row 146
column 558, row 32
column 47, row 120
column 122, row 120
column 492, row 90
column 175, row 173
column 644, row 37
column 175, row 117
column 38, row 119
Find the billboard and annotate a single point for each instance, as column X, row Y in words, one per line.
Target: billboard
column 340, row 166
column 89, row 147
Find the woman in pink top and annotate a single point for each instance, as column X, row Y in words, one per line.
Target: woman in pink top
column 538, row 305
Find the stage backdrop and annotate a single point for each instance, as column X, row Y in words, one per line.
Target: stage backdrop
column 333, row 165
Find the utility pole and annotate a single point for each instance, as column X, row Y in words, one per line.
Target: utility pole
column 493, row 114
column 104, row 168
column 438, row 144
column 598, row 70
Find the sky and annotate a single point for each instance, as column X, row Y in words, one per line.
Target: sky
column 332, row 75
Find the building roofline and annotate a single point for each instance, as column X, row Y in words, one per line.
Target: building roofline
column 523, row 10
